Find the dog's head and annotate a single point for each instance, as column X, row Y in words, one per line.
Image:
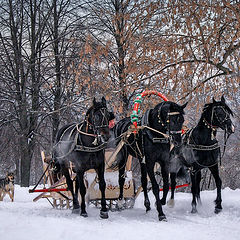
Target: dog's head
column 10, row 177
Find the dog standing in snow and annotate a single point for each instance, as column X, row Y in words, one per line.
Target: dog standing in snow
column 7, row 186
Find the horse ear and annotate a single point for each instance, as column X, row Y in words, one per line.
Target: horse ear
column 104, row 101
column 213, row 100
column 184, row 105
column 94, row 101
column 111, row 116
column 222, row 99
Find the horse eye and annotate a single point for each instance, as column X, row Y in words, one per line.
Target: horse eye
column 97, row 117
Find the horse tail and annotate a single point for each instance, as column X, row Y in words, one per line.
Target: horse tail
column 56, row 166
column 119, row 129
column 119, row 160
column 55, row 151
column 183, row 174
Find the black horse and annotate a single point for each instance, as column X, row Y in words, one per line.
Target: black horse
column 161, row 129
column 201, row 150
column 83, row 144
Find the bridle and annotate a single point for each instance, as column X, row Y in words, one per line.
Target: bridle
column 166, row 125
column 221, row 122
column 213, row 128
column 93, row 125
column 172, row 131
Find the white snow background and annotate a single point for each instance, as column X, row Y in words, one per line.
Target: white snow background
column 27, row 220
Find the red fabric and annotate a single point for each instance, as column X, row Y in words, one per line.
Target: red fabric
column 111, row 123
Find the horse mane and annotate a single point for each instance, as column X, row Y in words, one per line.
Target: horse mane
column 172, row 106
column 61, row 131
column 89, row 110
column 175, row 107
column 211, row 105
column 96, row 106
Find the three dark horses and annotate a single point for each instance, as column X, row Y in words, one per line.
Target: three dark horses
column 158, row 140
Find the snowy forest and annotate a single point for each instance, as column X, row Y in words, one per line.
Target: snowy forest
column 56, row 55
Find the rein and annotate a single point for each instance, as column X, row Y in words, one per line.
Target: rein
column 226, row 136
column 79, row 147
column 203, row 147
column 85, row 133
column 154, row 130
column 82, row 148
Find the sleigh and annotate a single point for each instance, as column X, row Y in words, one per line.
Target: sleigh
column 55, row 188
column 112, row 186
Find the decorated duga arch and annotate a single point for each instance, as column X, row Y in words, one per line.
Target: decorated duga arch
column 138, row 101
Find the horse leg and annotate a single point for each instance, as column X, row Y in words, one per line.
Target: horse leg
column 218, row 202
column 102, row 186
column 76, row 207
column 144, row 186
column 193, row 189
column 82, row 188
column 121, row 180
column 155, row 189
column 170, row 202
column 165, row 176
column 198, row 180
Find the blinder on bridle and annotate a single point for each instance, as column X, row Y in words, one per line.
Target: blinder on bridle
column 167, row 122
column 166, row 125
column 172, row 131
column 226, row 117
column 103, row 123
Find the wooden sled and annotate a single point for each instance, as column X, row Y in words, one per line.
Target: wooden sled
column 112, row 186
column 55, row 187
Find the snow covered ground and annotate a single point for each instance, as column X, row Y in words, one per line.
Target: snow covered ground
column 28, row 220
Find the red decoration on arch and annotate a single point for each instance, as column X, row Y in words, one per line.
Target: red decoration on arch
column 138, row 100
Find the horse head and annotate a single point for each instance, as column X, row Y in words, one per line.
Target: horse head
column 175, row 121
column 218, row 115
column 170, row 117
column 99, row 117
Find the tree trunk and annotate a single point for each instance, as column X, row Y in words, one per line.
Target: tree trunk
column 57, row 91
column 26, row 156
column 119, row 36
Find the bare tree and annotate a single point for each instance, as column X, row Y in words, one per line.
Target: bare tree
column 120, row 41
column 21, row 41
column 56, row 54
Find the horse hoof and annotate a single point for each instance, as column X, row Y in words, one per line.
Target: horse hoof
column 194, row 210
column 171, row 203
column 84, row 215
column 76, row 210
column 147, row 205
column 163, row 201
column 148, row 208
column 162, row 218
column 103, row 215
column 120, row 204
column 217, row 210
